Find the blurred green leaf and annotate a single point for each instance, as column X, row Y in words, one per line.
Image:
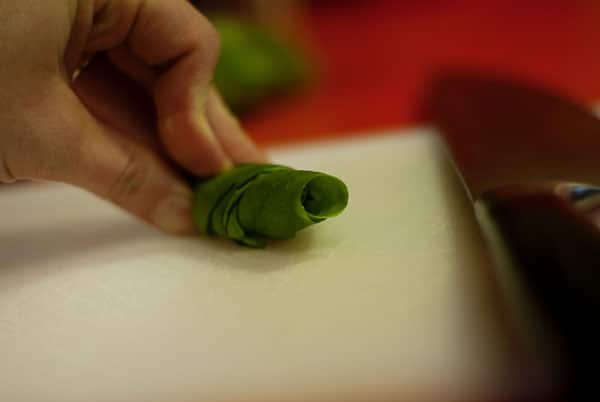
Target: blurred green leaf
column 255, row 64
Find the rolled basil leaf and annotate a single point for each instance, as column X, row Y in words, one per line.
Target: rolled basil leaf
column 254, row 202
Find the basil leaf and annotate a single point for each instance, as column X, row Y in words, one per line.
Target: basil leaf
column 254, row 202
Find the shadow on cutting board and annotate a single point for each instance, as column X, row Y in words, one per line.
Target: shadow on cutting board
column 68, row 243
column 26, row 249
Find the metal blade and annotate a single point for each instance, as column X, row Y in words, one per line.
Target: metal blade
column 520, row 150
column 502, row 132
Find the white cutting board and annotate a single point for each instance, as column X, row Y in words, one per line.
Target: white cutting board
column 393, row 299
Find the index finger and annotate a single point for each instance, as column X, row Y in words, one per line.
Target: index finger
column 176, row 40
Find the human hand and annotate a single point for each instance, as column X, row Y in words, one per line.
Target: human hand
column 142, row 109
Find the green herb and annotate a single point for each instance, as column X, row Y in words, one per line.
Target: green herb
column 254, row 202
column 255, row 64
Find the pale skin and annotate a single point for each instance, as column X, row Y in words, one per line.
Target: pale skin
column 115, row 96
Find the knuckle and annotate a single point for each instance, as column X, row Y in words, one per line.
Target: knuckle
column 130, row 181
column 212, row 40
column 209, row 41
column 112, row 21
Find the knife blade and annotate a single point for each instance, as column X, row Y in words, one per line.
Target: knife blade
column 528, row 159
column 504, row 132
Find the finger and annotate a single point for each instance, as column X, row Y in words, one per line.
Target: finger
column 176, row 39
column 135, row 179
column 239, row 147
column 118, row 168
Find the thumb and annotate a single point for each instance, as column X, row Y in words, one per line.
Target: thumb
column 135, row 178
column 115, row 166
column 138, row 181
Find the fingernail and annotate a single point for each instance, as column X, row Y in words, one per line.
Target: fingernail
column 252, row 153
column 173, row 214
column 260, row 155
column 255, row 153
column 227, row 164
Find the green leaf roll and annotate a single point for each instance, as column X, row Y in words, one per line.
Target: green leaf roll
column 254, row 202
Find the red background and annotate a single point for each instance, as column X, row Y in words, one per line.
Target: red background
column 376, row 58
